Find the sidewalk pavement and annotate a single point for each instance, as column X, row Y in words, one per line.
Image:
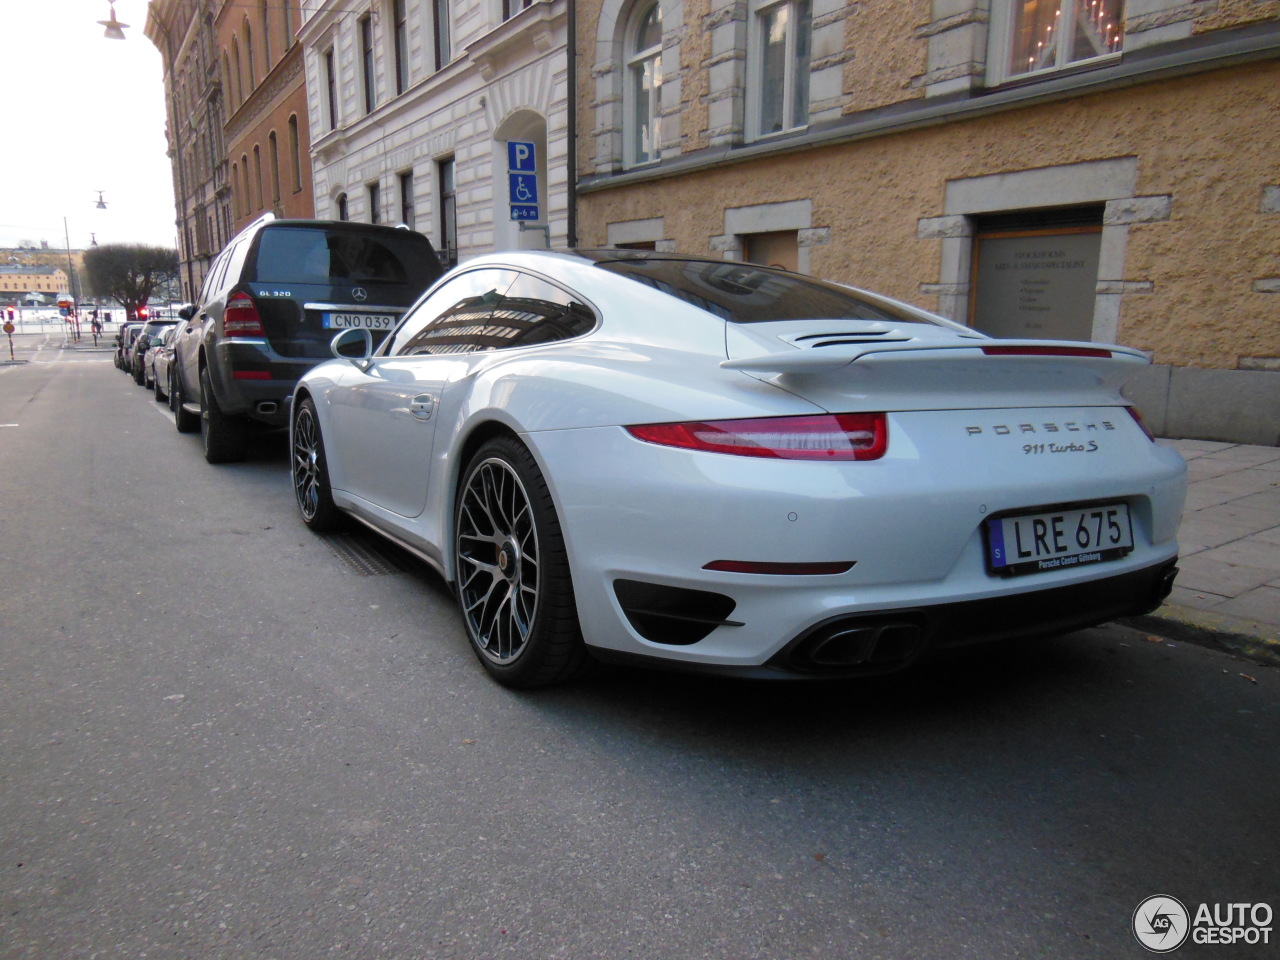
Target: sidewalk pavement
column 1227, row 593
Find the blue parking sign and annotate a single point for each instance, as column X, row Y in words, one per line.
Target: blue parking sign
column 520, row 157
column 523, row 187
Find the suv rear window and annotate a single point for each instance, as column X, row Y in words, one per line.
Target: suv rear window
column 746, row 293
column 307, row 255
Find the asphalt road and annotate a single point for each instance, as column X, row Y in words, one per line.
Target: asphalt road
column 220, row 739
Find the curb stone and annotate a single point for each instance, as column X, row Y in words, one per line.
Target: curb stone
column 1255, row 641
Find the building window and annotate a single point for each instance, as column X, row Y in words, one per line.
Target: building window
column 257, row 174
column 366, row 63
column 644, row 86
column 1041, row 35
column 248, row 53
column 295, row 154
column 237, row 91
column 331, row 88
column 274, row 156
column 448, row 246
column 288, row 22
column 406, row 199
column 342, row 207
column 779, row 67
column 443, row 45
column 375, row 204
column 266, row 40
column 511, row 7
column 401, row 37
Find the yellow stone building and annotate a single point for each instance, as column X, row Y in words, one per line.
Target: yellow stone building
column 1065, row 169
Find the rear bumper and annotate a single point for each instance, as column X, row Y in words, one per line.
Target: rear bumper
column 252, row 380
column 886, row 641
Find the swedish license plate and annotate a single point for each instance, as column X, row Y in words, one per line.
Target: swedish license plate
column 1057, row 539
column 369, row 321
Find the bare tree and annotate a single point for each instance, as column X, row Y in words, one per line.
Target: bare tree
column 129, row 273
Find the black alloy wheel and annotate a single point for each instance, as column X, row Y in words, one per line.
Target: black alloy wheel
column 311, row 472
column 512, row 571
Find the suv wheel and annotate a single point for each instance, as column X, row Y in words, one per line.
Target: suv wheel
column 225, row 437
column 183, row 419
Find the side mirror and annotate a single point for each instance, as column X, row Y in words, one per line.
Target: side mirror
column 354, row 344
column 187, row 311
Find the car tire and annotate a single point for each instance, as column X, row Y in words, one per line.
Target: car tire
column 161, row 396
column 225, row 437
column 183, row 419
column 310, row 472
column 138, row 376
column 512, row 571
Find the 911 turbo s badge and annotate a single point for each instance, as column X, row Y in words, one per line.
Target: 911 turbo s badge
column 1067, row 426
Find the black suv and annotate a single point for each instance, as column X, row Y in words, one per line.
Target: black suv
column 271, row 303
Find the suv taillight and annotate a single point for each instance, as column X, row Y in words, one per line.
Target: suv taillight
column 240, row 318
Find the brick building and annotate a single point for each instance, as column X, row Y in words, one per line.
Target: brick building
column 1094, row 169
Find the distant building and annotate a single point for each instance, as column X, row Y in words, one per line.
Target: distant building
column 16, row 281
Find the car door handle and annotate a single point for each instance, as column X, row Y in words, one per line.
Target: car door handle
column 422, row 406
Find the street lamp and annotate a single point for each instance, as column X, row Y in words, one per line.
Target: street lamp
column 101, row 204
column 115, row 29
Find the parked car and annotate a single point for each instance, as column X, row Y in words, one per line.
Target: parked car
column 141, row 344
column 729, row 467
column 271, row 302
column 124, row 343
column 156, row 363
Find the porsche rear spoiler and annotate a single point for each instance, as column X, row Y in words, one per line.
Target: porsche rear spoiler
column 828, row 359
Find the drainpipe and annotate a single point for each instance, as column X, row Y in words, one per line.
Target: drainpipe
column 571, row 55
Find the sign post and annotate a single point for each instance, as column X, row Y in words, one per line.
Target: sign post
column 522, row 180
column 8, row 328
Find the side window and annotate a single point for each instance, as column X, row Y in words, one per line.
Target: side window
column 535, row 311
column 454, row 318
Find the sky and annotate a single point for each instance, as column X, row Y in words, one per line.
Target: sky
column 79, row 114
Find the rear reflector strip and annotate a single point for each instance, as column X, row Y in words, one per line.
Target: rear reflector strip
column 781, row 569
column 250, row 375
column 1045, row 352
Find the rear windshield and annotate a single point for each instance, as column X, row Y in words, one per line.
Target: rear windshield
column 311, row 255
column 747, row 293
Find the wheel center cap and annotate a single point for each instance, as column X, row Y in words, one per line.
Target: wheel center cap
column 508, row 556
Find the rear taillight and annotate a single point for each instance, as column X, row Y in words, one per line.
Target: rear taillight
column 846, row 436
column 240, row 318
column 1137, row 418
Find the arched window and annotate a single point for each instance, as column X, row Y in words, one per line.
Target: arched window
column 246, row 206
column 235, row 190
column 237, row 91
column 295, row 154
column 257, row 175
column 643, row 93
column 266, row 40
column 248, row 52
column 274, row 156
column 341, row 204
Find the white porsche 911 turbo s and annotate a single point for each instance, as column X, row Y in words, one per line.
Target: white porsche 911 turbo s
column 722, row 466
